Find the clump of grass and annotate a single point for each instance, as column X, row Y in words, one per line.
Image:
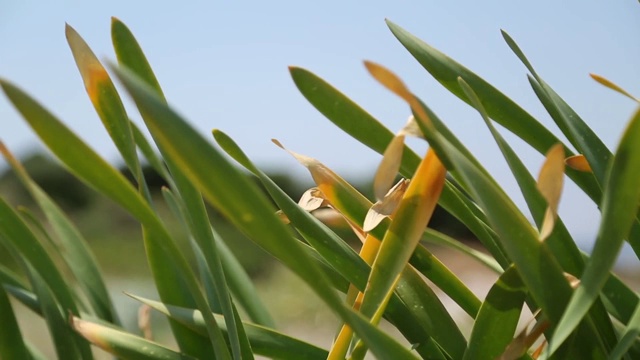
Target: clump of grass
column 581, row 309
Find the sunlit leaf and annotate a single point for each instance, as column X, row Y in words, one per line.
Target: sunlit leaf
column 105, row 99
column 410, row 220
column 241, row 203
column 71, row 244
column 498, row 317
column 619, row 208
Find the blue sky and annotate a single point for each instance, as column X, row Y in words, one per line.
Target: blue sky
column 224, row 65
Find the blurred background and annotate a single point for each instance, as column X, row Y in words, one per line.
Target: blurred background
column 224, row 65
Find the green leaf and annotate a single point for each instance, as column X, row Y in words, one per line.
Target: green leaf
column 437, row 238
column 15, row 234
column 332, row 248
column 106, row 101
column 194, row 213
column 242, row 287
column 67, row 343
column 573, row 127
column 130, row 53
column 264, row 341
column 241, row 202
column 560, row 242
column 168, row 264
column 71, row 245
column 499, row 107
column 203, row 240
column 413, row 300
column 629, row 337
column 497, row 320
column 123, row 344
column 12, row 345
column 359, row 124
column 619, row 207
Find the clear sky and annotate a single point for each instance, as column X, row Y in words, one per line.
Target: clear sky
column 224, row 65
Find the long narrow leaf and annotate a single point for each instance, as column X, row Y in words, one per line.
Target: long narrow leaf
column 195, row 214
column 538, row 268
column 411, row 299
column 363, row 127
column 106, row 100
column 619, row 208
column 496, row 322
column 166, row 261
column 73, row 246
column 241, row 202
column 560, row 242
column 264, row 341
column 498, row 106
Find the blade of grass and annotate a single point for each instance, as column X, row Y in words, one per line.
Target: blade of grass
column 106, row 101
column 499, row 107
column 241, row 202
column 629, row 337
column 619, row 208
column 66, row 342
column 402, row 309
column 130, row 54
column 264, row 341
column 352, row 119
column 538, row 268
column 437, row 238
column 560, row 243
column 498, row 317
column 71, row 243
column 168, row 265
column 12, row 345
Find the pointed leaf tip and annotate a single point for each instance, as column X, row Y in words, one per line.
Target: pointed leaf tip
column 578, row 162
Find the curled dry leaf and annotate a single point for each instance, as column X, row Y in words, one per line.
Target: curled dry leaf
column 312, row 199
column 411, row 128
column 389, row 167
column 578, row 162
column 550, row 182
column 385, row 207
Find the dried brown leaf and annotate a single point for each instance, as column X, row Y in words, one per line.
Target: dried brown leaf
column 389, row 167
column 312, row 199
column 385, row 207
column 550, row 183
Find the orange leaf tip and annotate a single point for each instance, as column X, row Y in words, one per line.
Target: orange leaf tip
column 578, row 162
